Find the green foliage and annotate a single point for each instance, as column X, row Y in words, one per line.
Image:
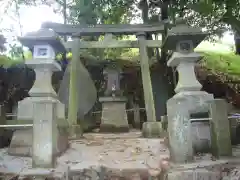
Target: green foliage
column 219, row 63
column 215, row 15
column 8, row 62
column 16, row 52
column 94, row 12
column 99, row 11
column 4, row 60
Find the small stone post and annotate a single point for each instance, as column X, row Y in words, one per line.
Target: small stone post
column 114, row 116
column 220, row 130
column 2, row 122
column 136, row 114
column 151, row 128
column 189, row 99
column 48, row 138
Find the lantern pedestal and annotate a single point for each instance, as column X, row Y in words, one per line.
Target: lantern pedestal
column 114, row 116
column 179, row 109
column 49, row 137
column 152, row 129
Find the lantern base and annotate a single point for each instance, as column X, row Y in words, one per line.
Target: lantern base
column 21, row 144
column 152, row 129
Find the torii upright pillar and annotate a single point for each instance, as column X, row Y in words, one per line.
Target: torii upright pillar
column 151, row 128
column 75, row 129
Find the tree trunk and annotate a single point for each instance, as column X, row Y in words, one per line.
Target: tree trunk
column 164, row 52
column 234, row 22
column 237, row 43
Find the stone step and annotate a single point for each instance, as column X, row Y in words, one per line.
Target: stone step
column 206, row 170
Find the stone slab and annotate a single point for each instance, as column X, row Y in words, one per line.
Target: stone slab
column 198, row 101
column 25, row 109
column 177, row 58
column 112, row 99
column 43, row 64
column 197, row 174
column 205, row 168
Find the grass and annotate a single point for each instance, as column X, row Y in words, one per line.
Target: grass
column 227, row 64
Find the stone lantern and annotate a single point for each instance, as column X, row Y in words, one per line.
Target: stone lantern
column 189, row 101
column 114, row 116
column 42, row 108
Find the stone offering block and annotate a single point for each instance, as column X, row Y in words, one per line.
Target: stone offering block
column 114, row 116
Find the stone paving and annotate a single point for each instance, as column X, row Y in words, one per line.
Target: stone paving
column 124, row 156
column 115, row 155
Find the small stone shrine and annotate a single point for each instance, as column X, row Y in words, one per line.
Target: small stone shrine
column 189, row 99
column 112, row 75
column 48, row 137
column 114, row 116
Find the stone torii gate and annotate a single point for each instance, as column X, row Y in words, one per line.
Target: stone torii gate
column 151, row 128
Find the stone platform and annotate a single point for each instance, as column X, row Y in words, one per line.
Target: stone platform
column 97, row 156
column 124, row 156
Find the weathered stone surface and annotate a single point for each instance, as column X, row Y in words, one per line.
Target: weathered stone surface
column 180, row 141
column 221, row 137
column 43, row 36
column 198, row 101
column 136, row 116
column 201, row 136
column 84, row 87
column 152, row 129
column 25, row 109
column 114, row 116
column 113, row 76
column 183, row 32
column 45, row 144
column 185, row 64
column 179, row 109
column 21, row 144
column 108, row 156
column 194, row 175
column 114, row 156
column 234, row 130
